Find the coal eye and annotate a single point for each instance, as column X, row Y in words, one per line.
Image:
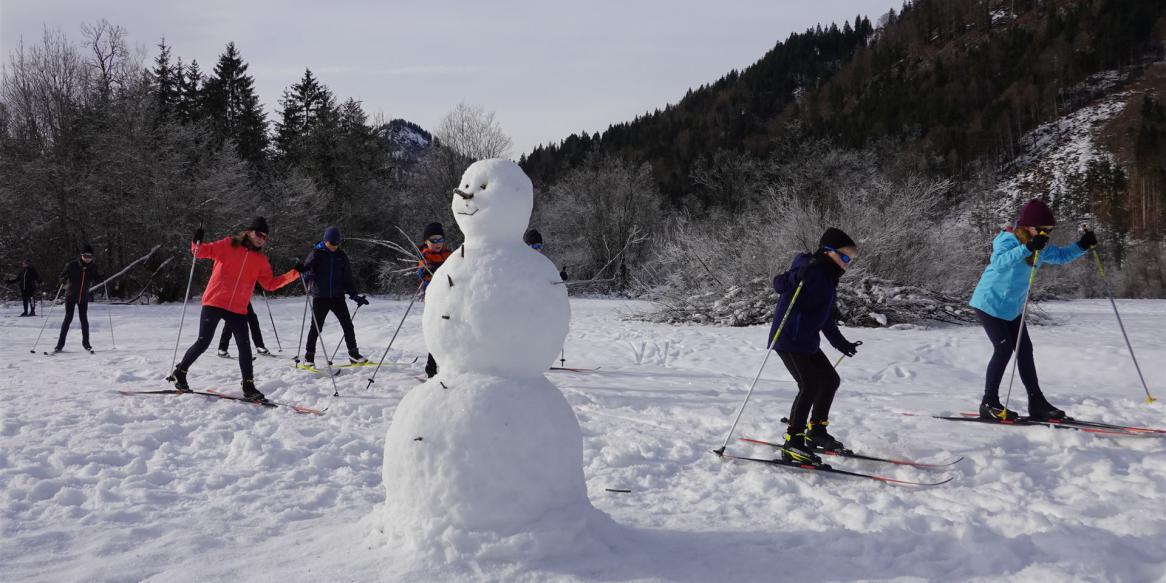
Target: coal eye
column 483, row 186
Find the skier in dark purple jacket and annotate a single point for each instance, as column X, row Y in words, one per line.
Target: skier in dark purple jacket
column 798, row 346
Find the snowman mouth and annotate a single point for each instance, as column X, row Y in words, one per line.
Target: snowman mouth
column 469, row 214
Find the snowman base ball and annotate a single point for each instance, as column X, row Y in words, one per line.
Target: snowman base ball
column 486, row 467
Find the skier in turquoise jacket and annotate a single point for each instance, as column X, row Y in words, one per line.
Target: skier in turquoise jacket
column 999, row 302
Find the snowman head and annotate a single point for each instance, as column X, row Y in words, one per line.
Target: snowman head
column 493, row 201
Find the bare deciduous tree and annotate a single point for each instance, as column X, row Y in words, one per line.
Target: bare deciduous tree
column 473, row 133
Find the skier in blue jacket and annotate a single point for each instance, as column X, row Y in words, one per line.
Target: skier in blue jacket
column 813, row 312
column 999, row 302
column 328, row 271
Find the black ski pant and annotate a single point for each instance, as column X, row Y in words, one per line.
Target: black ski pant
column 82, row 313
column 252, row 323
column 29, row 300
column 320, row 309
column 1003, row 334
column 817, row 383
column 207, row 323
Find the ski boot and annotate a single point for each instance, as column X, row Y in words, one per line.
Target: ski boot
column 1040, row 409
column 250, row 392
column 57, row 350
column 818, row 438
column 356, row 358
column 309, row 361
column 991, row 408
column 797, row 450
column 262, row 350
column 179, row 378
column 224, row 354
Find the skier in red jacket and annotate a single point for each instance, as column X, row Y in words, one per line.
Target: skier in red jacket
column 239, row 265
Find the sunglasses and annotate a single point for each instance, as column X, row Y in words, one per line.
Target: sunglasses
column 536, row 246
column 261, row 235
column 437, row 240
column 87, row 255
column 844, row 257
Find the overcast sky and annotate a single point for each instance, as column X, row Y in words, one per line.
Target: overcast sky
column 548, row 69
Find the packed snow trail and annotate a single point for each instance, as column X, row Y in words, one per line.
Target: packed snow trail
column 96, row 486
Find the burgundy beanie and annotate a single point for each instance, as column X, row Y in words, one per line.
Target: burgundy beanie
column 1036, row 214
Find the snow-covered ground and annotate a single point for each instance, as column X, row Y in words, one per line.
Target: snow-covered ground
column 96, row 486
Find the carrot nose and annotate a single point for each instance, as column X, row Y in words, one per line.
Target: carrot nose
column 465, row 195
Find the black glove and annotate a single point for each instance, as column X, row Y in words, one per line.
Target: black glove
column 298, row 266
column 360, row 300
column 1087, row 240
column 198, row 235
column 1038, row 242
column 563, row 275
column 848, row 348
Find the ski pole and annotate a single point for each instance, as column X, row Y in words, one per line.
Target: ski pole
column 373, row 378
column 272, row 318
column 341, row 341
column 303, row 321
column 768, row 351
column 47, row 317
column 1020, row 331
column 331, row 375
column 185, row 299
column 109, row 312
column 1109, row 292
column 563, row 356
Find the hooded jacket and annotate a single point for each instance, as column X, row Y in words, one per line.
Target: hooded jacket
column 814, row 310
column 329, row 272
column 1003, row 286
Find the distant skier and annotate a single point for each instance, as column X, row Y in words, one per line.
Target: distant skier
column 534, row 240
column 329, row 274
column 813, row 312
column 239, row 263
column 256, row 334
column 80, row 275
column 27, row 281
column 434, row 252
column 999, row 301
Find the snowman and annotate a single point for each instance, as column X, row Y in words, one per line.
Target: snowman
column 486, row 458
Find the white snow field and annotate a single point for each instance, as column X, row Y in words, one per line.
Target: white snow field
column 97, row 486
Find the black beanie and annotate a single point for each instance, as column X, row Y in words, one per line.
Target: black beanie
column 432, row 229
column 259, row 225
column 836, row 239
column 532, row 236
column 87, row 249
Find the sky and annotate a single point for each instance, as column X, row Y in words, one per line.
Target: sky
column 547, row 69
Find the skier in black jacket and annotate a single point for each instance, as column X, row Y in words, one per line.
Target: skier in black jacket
column 813, row 313
column 80, row 274
column 328, row 271
column 27, row 280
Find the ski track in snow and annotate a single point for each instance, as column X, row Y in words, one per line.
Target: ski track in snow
column 97, row 486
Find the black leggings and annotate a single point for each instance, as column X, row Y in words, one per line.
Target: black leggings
column 817, row 383
column 208, row 321
column 252, row 323
column 320, row 309
column 82, row 309
column 29, row 303
column 1003, row 333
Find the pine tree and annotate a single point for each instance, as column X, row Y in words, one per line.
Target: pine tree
column 189, row 106
column 167, row 80
column 304, row 106
column 233, row 109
